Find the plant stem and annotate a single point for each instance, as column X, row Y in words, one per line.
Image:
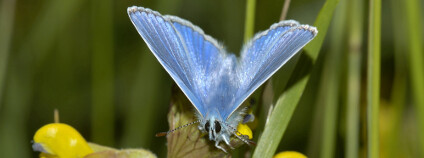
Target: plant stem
column 285, row 10
column 414, row 31
column 373, row 79
column 250, row 20
column 354, row 78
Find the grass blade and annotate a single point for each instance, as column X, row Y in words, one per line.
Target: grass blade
column 373, row 78
column 414, row 24
column 249, row 20
column 354, row 78
column 287, row 102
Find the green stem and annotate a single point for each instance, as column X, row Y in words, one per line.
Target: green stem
column 353, row 102
column 354, row 78
column 373, row 80
column 414, row 31
column 250, row 20
column 102, row 73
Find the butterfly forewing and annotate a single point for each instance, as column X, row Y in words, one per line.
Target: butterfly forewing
column 193, row 59
column 267, row 53
column 206, row 57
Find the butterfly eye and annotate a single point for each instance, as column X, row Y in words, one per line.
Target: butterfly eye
column 217, row 127
column 207, row 125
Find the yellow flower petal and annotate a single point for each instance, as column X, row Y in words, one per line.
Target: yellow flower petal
column 290, row 154
column 244, row 130
column 61, row 140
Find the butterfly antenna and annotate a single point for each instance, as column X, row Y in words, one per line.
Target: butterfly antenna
column 238, row 135
column 171, row 131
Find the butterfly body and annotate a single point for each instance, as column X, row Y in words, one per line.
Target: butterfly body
column 216, row 82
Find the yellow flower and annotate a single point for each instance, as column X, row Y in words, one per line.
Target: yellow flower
column 290, row 154
column 60, row 140
column 244, row 130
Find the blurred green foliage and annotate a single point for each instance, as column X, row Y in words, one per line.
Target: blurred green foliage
column 87, row 60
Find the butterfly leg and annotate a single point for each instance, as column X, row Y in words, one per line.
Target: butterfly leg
column 227, row 141
column 219, row 147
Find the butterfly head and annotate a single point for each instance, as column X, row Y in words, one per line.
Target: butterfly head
column 213, row 127
column 217, row 130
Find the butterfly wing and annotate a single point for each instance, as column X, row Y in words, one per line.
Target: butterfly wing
column 266, row 53
column 187, row 54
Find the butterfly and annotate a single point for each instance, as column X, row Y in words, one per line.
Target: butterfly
column 216, row 82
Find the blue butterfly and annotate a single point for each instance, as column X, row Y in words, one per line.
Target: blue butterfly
column 215, row 82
